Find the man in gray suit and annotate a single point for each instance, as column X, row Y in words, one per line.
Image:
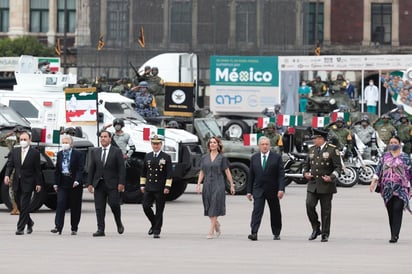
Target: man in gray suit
column 266, row 183
column 106, row 178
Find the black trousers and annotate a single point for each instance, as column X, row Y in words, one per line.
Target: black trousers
column 325, row 211
column 102, row 195
column 72, row 197
column 395, row 212
column 23, row 203
column 275, row 214
column 156, row 220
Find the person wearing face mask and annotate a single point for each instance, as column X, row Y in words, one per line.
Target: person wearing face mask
column 304, row 92
column 343, row 134
column 122, row 139
column 365, row 132
column 404, row 130
column 68, row 185
column 371, row 97
column 25, row 162
column 384, row 128
column 392, row 180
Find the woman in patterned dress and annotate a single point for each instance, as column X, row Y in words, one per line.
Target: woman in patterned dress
column 214, row 172
column 393, row 175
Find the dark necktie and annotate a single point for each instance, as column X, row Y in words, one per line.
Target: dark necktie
column 104, row 156
column 318, row 150
column 264, row 161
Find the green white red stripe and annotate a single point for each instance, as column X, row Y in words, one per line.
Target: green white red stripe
column 264, row 121
column 320, row 121
column 289, row 120
column 336, row 115
column 251, row 139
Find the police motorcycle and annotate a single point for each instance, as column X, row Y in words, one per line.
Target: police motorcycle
column 292, row 161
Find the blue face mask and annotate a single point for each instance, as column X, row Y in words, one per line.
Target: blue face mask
column 394, row 147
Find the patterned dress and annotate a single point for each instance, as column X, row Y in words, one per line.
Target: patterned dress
column 394, row 175
column 214, row 181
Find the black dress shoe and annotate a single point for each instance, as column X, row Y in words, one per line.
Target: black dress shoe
column 156, row 236
column 74, row 232
column 325, row 238
column 150, row 232
column 56, row 230
column 30, row 228
column 120, row 229
column 315, row 234
column 99, row 233
column 20, row 232
column 252, row 237
column 276, row 237
column 394, row 239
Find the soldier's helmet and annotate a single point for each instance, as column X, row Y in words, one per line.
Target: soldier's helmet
column 403, row 117
column 172, row 124
column 103, row 77
column 146, row 68
column 340, row 120
column 277, row 107
column 70, row 131
column 385, row 116
column 271, row 126
column 143, row 84
column 155, row 70
column 118, row 121
column 339, row 77
column 365, row 118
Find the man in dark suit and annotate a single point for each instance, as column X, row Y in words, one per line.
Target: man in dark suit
column 266, row 183
column 25, row 161
column 68, row 185
column 155, row 183
column 321, row 169
column 106, row 178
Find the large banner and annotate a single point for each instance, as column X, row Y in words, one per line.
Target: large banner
column 243, row 83
column 179, row 99
column 81, row 106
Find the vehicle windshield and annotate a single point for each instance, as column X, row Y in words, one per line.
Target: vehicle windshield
column 123, row 110
column 208, row 128
column 10, row 118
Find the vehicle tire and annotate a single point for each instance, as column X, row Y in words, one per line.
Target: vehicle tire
column 178, row 188
column 240, row 176
column 36, row 202
column 288, row 181
column 236, row 128
column 348, row 177
column 366, row 174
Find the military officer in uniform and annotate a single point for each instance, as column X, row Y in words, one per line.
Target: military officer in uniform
column 155, row 184
column 405, row 134
column 365, row 132
column 276, row 142
column 385, row 129
column 343, row 134
column 321, row 170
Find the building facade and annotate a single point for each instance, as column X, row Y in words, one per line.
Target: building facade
column 206, row 27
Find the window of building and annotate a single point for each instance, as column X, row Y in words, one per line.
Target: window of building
column 118, row 21
column 181, row 21
column 314, row 22
column 381, row 25
column 4, row 15
column 39, row 15
column 71, row 15
column 246, row 22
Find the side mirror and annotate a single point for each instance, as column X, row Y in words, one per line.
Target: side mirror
column 100, row 117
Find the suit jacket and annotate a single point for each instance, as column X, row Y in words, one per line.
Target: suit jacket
column 26, row 175
column 268, row 181
column 76, row 168
column 112, row 173
column 326, row 162
column 156, row 171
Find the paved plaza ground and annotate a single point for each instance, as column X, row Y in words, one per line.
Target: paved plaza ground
column 358, row 241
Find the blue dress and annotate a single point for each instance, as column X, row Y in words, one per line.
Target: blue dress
column 214, row 181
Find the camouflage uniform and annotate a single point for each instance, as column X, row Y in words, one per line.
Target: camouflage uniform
column 339, row 85
column 276, row 142
column 343, row 134
column 385, row 129
column 319, row 88
column 122, row 86
column 405, row 134
column 365, row 133
column 145, row 104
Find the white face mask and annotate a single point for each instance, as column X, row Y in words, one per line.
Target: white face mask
column 117, row 127
column 371, row 83
column 65, row 146
column 24, row 144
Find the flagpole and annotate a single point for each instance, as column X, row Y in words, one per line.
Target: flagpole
column 65, row 39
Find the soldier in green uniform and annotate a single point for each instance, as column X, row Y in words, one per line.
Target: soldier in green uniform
column 384, row 128
column 342, row 134
column 276, row 142
column 321, row 170
column 405, row 134
column 122, row 86
column 339, row 85
column 8, row 140
column 101, row 84
column 318, row 87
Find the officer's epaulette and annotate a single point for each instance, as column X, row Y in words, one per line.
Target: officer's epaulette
column 331, row 145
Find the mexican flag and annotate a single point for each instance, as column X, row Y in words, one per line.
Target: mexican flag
column 344, row 115
column 147, row 134
column 264, row 121
column 81, row 105
column 289, row 120
column 320, row 121
column 50, row 136
column 251, row 139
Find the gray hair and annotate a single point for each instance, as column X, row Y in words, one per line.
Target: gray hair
column 67, row 137
column 263, row 138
